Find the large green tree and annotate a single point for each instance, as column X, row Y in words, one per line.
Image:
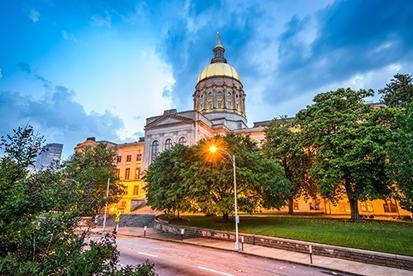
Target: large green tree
column 40, row 216
column 91, row 168
column 193, row 179
column 401, row 157
column 349, row 139
column 261, row 182
column 167, row 186
column 399, row 91
column 283, row 144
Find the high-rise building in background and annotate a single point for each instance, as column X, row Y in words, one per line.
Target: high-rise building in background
column 49, row 157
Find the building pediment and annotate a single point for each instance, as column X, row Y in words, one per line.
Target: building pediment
column 169, row 120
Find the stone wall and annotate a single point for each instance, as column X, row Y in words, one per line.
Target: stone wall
column 357, row 255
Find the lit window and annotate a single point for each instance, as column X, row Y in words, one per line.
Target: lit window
column 389, row 207
column 366, row 206
column 168, row 144
column 118, row 158
column 155, row 149
column 125, row 190
column 137, row 173
column 127, row 174
column 122, row 205
column 128, row 158
column 182, row 140
column 136, row 190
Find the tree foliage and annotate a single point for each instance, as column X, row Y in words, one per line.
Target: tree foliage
column 167, row 188
column 349, row 139
column 283, row 145
column 40, row 215
column 399, row 91
column 203, row 182
column 91, row 168
column 401, row 157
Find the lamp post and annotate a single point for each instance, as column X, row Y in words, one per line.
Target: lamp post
column 214, row 149
column 106, row 205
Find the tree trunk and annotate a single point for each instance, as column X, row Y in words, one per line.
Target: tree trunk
column 354, row 209
column 291, row 206
column 225, row 217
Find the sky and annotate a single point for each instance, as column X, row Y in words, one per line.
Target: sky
column 77, row 69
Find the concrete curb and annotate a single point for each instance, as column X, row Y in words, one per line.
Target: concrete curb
column 234, row 251
column 356, row 255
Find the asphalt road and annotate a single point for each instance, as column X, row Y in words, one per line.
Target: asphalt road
column 182, row 259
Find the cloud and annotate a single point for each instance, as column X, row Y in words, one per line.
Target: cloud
column 68, row 36
column 25, row 67
column 34, row 15
column 56, row 116
column 286, row 52
column 101, row 20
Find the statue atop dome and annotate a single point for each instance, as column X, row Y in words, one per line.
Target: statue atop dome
column 219, row 38
column 218, row 51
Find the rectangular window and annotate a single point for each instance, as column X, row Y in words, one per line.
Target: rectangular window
column 122, row 205
column 366, row 206
column 315, row 205
column 128, row 158
column 139, row 157
column 296, row 205
column 117, row 173
column 136, row 190
column 138, row 173
column 127, row 174
column 118, row 158
column 389, row 207
column 125, row 190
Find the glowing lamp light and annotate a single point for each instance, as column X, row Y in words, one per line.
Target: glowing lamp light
column 213, row 149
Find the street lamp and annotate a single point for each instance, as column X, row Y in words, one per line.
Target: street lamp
column 214, row 149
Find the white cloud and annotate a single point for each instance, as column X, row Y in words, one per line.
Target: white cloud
column 101, row 21
column 34, row 15
column 68, row 36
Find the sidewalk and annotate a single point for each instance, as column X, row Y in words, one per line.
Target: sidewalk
column 266, row 252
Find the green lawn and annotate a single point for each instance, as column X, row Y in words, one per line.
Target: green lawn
column 391, row 237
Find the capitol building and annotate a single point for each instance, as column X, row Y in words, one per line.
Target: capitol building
column 218, row 108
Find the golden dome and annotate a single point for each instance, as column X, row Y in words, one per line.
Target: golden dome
column 218, row 69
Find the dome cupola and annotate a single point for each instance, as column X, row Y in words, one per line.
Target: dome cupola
column 219, row 93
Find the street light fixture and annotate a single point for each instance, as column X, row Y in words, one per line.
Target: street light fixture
column 214, row 149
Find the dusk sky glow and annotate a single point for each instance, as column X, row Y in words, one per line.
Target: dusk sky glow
column 75, row 69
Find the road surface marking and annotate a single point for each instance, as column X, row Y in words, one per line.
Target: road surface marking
column 215, row 271
column 147, row 254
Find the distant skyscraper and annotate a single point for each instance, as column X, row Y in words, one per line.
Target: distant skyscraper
column 49, row 156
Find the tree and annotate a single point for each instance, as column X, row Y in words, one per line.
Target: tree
column 39, row 219
column 167, row 188
column 401, row 161
column 349, row 139
column 399, row 91
column 261, row 182
column 283, row 145
column 91, row 168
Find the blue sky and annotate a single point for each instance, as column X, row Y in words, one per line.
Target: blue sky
column 75, row 69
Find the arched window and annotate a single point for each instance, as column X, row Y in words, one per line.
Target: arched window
column 155, row 149
column 182, row 140
column 168, row 144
